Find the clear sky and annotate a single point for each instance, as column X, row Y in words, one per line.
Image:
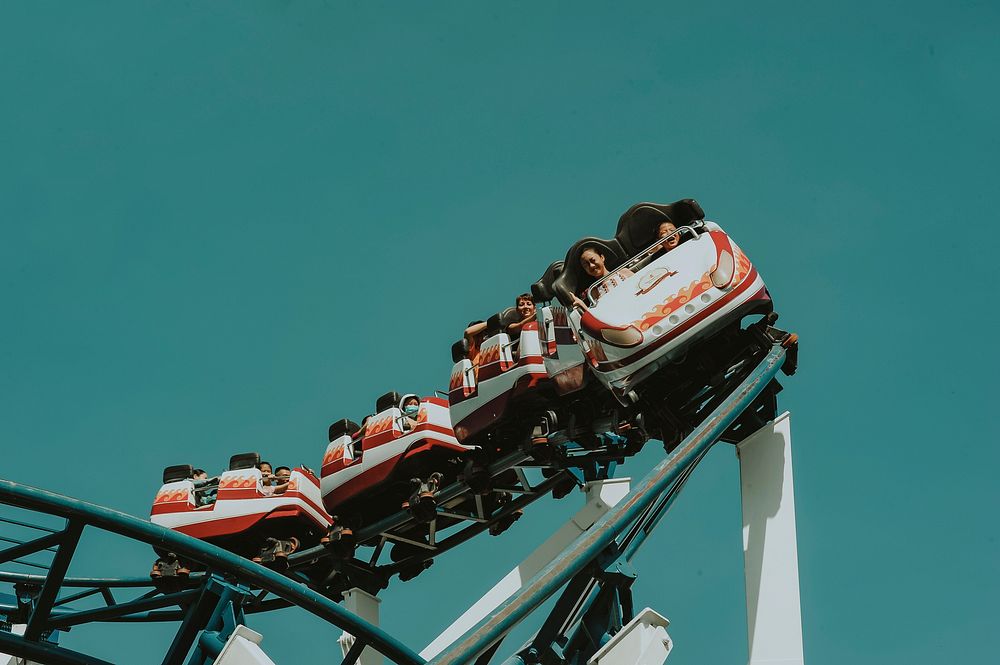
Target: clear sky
column 224, row 225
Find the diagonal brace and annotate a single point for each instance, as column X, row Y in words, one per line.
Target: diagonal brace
column 68, row 540
column 32, row 546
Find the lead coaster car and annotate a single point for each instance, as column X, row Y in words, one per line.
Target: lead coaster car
column 670, row 301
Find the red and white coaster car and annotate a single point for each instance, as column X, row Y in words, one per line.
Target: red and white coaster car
column 635, row 323
column 244, row 512
column 478, row 395
column 537, row 364
column 367, row 471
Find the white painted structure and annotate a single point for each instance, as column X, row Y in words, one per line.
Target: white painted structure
column 243, row 648
column 642, row 641
column 600, row 495
column 770, row 553
column 365, row 606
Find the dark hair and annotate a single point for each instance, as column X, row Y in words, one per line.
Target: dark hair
column 523, row 296
column 594, row 246
column 280, row 468
column 198, row 472
column 260, row 464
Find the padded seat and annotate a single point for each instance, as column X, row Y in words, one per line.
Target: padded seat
column 498, row 323
column 637, row 226
column 387, row 401
column 172, row 474
column 244, row 461
column 342, row 427
column 541, row 291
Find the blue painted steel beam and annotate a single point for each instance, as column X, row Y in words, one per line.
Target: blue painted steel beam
column 53, row 582
column 213, row 557
column 105, row 582
column 30, row 547
column 66, row 619
column 592, row 543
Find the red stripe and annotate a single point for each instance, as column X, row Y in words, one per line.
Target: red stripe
column 173, row 507
column 223, row 527
column 241, row 493
column 358, row 484
column 296, row 494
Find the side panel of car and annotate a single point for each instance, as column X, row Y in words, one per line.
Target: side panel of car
column 505, row 372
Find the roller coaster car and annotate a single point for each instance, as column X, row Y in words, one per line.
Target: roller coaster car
column 245, row 517
column 529, row 368
column 367, row 473
column 672, row 298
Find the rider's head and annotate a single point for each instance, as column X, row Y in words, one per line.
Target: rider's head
column 592, row 261
column 410, row 405
column 525, row 305
column 664, row 230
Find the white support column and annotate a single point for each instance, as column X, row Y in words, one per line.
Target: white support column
column 770, row 554
column 243, row 648
column 365, row 606
column 601, row 496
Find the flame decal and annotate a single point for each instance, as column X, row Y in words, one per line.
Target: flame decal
column 238, row 482
column 171, row 496
column 662, row 311
column 335, row 453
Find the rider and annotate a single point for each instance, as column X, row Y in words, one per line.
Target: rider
column 410, row 406
column 526, row 310
column 593, row 263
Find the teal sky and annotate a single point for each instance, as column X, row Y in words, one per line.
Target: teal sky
column 224, row 225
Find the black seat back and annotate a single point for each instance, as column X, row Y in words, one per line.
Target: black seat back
column 244, row 461
column 342, row 427
column 387, row 401
column 177, row 472
column 637, row 226
column 498, row 323
column 541, row 291
column 573, row 279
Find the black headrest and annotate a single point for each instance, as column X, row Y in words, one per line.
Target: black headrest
column 498, row 322
column 342, row 427
column 541, row 290
column 460, row 350
column 637, row 225
column 244, row 461
column 573, row 279
column 177, row 472
column 387, row 401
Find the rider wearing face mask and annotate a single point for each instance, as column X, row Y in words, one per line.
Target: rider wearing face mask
column 410, row 406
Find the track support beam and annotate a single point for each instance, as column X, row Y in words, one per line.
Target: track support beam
column 770, row 552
